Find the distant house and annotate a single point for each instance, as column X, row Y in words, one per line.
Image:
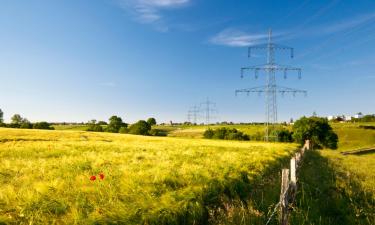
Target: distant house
column 358, row 116
column 348, row 118
column 331, row 117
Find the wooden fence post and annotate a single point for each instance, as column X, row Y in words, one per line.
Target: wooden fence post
column 308, row 145
column 284, row 197
column 293, row 178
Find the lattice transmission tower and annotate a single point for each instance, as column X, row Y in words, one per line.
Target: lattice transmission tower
column 193, row 114
column 270, row 89
column 209, row 108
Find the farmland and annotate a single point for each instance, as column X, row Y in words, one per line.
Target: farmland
column 45, row 177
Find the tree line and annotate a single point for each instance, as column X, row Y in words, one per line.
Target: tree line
column 116, row 125
column 315, row 129
column 17, row 121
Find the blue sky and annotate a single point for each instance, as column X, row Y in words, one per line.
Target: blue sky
column 89, row 59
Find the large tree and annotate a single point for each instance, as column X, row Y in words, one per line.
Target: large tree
column 151, row 121
column 16, row 119
column 315, row 129
column 115, row 123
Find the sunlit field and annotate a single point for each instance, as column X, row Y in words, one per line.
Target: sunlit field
column 336, row 188
column 45, row 176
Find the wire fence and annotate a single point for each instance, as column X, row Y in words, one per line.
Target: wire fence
column 288, row 187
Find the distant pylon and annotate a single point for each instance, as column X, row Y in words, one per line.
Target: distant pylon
column 271, row 89
column 193, row 114
column 208, row 107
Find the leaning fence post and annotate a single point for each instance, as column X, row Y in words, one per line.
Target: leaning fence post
column 284, row 197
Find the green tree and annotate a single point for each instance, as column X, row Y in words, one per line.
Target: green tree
column 16, row 119
column 25, row 124
column 43, row 126
column 315, row 129
column 1, row 116
column 151, row 121
column 141, row 127
column 115, row 123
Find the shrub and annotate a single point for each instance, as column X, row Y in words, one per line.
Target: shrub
column 123, row 130
column 43, row 126
column 209, row 133
column 284, row 135
column 141, row 127
column 315, row 129
column 225, row 134
column 95, row 128
column 26, row 125
column 157, row 132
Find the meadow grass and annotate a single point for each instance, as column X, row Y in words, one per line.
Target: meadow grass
column 336, row 188
column 44, row 177
column 190, row 131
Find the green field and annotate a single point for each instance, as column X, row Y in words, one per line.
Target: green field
column 188, row 131
column 45, row 177
column 336, row 188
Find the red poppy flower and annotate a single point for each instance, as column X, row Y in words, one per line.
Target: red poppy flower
column 93, row 178
column 101, row 176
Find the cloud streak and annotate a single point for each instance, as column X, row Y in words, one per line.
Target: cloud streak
column 150, row 11
column 237, row 38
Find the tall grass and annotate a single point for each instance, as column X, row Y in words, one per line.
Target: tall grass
column 45, row 177
column 338, row 189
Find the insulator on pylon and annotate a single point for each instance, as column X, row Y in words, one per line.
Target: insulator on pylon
column 256, row 74
column 285, row 74
column 292, row 53
column 299, row 74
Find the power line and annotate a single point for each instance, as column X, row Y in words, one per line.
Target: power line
column 270, row 89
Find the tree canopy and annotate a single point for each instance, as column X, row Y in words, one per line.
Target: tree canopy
column 141, row 127
column 115, row 123
column 315, row 129
column 151, row 121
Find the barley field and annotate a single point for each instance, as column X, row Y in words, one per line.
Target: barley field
column 47, row 177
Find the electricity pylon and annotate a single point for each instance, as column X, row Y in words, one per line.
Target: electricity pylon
column 193, row 114
column 208, row 107
column 270, row 89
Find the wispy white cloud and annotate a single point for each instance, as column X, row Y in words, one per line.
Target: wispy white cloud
column 237, row 38
column 150, row 11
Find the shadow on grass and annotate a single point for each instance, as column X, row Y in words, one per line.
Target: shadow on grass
column 321, row 201
column 255, row 204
